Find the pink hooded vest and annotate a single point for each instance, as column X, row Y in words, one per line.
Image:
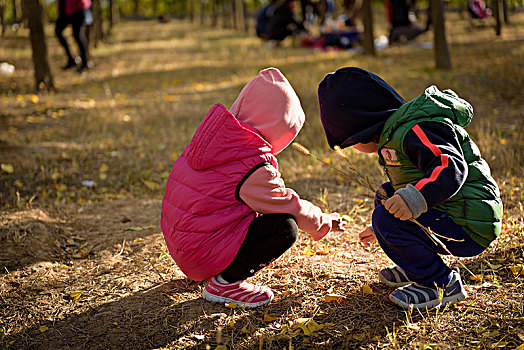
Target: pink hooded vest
column 203, row 221
column 72, row 6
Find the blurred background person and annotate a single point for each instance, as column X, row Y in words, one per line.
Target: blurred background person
column 78, row 14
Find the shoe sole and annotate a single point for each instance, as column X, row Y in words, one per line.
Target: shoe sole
column 388, row 283
column 430, row 304
column 218, row 299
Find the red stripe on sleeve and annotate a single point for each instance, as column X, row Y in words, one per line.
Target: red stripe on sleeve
column 436, row 151
column 418, row 131
column 435, row 173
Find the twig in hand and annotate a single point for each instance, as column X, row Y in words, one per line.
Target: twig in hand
column 366, row 183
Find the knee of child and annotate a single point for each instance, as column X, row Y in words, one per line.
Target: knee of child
column 383, row 221
column 289, row 228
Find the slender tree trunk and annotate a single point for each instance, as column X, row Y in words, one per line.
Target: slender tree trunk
column 2, row 16
column 114, row 13
column 34, row 12
column 239, row 14
column 367, row 40
column 505, row 11
column 214, row 12
column 16, row 11
column 97, row 26
column 226, row 16
column 202, row 11
column 442, row 58
column 496, row 14
column 136, row 6
column 192, row 11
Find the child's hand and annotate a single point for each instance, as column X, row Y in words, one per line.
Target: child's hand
column 337, row 223
column 367, row 236
column 398, row 207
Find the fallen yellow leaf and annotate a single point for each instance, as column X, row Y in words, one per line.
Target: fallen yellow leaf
column 269, row 318
column 231, row 305
column 7, row 168
column 367, row 289
column 103, row 168
column 309, row 251
column 42, row 329
column 359, row 337
column 34, row 98
column 516, row 269
column 334, row 298
column 151, row 184
column 77, row 293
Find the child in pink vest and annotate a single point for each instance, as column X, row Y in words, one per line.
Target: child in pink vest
column 227, row 213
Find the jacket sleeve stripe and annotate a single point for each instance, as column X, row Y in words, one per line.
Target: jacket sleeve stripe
column 418, row 131
column 437, row 152
column 434, row 174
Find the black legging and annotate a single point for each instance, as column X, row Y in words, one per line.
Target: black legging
column 77, row 19
column 267, row 238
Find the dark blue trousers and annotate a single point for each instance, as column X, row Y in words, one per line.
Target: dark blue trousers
column 408, row 246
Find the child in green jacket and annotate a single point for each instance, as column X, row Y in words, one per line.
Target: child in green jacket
column 436, row 176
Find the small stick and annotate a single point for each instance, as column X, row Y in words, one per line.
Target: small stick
column 365, row 182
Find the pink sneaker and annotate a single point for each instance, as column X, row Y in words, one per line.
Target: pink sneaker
column 241, row 293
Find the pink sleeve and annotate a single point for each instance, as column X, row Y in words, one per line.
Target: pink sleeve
column 264, row 191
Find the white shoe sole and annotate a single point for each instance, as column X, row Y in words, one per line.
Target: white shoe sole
column 218, row 299
column 430, row 304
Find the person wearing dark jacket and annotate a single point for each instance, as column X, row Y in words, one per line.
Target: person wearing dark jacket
column 78, row 14
column 436, row 176
column 283, row 22
column 264, row 16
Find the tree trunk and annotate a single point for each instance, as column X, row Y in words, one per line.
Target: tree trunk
column 496, row 14
column 98, row 33
column 214, row 12
column 367, row 40
column 505, row 11
column 34, row 13
column 239, row 14
column 441, row 45
column 202, row 11
column 114, row 13
column 135, row 7
column 16, row 11
column 192, row 11
column 2, row 16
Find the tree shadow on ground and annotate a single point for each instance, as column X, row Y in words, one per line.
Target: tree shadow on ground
column 156, row 318
column 71, row 232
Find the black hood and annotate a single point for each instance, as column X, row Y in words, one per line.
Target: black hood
column 354, row 105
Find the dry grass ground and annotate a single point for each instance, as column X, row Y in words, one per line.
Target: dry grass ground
column 86, row 266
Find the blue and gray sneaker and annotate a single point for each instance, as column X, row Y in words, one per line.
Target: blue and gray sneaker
column 393, row 277
column 421, row 297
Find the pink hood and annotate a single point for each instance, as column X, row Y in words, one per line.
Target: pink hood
column 269, row 104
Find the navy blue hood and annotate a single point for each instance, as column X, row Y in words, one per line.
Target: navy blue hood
column 354, row 105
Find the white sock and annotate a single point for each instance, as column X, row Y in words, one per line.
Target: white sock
column 221, row 279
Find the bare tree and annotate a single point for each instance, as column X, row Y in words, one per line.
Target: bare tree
column 2, row 16
column 496, row 13
column 203, row 4
column 442, row 58
column 34, row 12
column 192, row 11
column 240, row 20
column 96, row 32
column 16, row 11
column 114, row 13
column 367, row 40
